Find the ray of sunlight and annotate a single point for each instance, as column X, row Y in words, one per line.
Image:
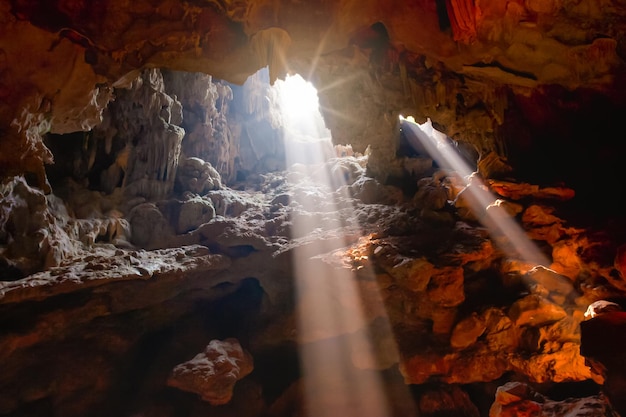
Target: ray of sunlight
column 331, row 311
column 484, row 204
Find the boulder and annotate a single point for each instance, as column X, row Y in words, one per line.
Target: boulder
column 212, row 374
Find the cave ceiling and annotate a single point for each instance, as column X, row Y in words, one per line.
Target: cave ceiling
column 454, row 61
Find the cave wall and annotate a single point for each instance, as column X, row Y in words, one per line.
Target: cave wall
column 459, row 63
column 89, row 88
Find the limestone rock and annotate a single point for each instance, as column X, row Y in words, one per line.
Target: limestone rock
column 542, row 224
column 565, row 363
column 550, row 280
column 501, row 334
column 430, row 195
column 149, row 228
column 109, row 264
column 187, row 215
column 454, row 368
column 504, row 208
column 512, row 392
column 412, row 274
column 197, row 176
column 452, row 400
column 534, row 310
column 566, row 258
column 32, row 237
column 368, row 190
column 516, row 191
column 468, row 201
column 210, row 131
column 514, row 82
column 213, row 373
column 601, row 341
column 144, row 134
column 620, row 261
column 540, row 215
column 231, row 203
column 446, row 287
column 235, row 237
column 493, row 166
column 467, row 331
column 193, row 213
column 517, row 399
column 601, row 307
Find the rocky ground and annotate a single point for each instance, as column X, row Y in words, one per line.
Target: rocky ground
column 211, row 303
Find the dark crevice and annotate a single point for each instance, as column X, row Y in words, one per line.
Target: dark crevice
column 276, row 369
column 498, row 65
column 442, row 14
column 22, row 316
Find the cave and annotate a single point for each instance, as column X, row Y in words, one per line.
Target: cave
column 281, row 208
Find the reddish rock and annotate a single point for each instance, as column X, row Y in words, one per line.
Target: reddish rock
column 446, row 287
column 521, row 82
column 449, row 400
column 516, row 399
column 550, row 280
column 517, row 191
column 534, row 310
column 620, row 261
column 467, row 331
column 213, row 373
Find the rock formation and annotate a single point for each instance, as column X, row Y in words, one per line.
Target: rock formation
column 155, row 202
column 212, row 374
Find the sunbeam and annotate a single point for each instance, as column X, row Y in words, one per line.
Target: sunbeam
column 318, row 54
column 332, row 320
column 337, row 83
column 339, row 114
column 485, row 206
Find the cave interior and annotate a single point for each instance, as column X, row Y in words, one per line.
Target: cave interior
column 281, row 208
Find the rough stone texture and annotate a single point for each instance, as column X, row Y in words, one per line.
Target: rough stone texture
column 601, row 341
column 459, row 67
column 74, row 275
column 197, row 176
column 457, row 309
column 452, row 400
column 518, row 399
column 212, row 374
column 143, row 137
column 128, row 243
column 467, row 331
column 205, row 120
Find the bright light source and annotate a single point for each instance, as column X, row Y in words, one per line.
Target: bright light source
column 299, row 105
column 333, row 324
column 298, row 97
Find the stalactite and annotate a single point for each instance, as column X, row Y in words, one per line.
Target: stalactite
column 270, row 47
column 440, row 93
column 207, row 123
column 141, row 128
column 463, row 15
